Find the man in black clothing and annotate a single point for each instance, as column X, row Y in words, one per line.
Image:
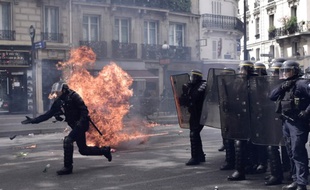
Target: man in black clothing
column 72, row 106
column 193, row 97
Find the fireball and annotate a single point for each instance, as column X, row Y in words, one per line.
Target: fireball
column 106, row 96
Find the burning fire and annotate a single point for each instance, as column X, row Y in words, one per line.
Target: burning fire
column 106, row 96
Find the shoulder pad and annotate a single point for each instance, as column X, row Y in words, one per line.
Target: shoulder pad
column 202, row 86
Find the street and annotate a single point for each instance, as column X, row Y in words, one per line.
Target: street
column 30, row 162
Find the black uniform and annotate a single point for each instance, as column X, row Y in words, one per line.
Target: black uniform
column 71, row 105
column 193, row 97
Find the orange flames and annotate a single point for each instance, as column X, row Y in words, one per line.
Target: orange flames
column 106, row 96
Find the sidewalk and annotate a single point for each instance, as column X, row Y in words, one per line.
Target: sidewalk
column 10, row 124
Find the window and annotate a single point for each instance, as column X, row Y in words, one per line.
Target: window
column 271, row 51
column 214, row 49
column 257, row 25
column 5, row 16
column 176, row 34
column 271, row 21
column 293, row 11
column 150, row 32
column 51, row 20
column 91, row 28
column 258, row 54
column 216, row 8
column 121, row 33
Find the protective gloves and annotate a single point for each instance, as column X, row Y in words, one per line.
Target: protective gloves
column 303, row 114
column 287, row 85
column 27, row 120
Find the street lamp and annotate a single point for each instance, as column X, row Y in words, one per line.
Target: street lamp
column 32, row 34
column 164, row 61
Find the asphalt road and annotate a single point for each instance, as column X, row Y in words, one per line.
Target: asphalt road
column 155, row 164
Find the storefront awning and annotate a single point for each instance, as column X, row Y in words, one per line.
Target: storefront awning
column 142, row 74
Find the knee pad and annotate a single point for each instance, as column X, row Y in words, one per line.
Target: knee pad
column 68, row 142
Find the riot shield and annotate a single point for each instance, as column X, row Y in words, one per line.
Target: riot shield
column 210, row 111
column 266, row 126
column 234, row 106
column 177, row 82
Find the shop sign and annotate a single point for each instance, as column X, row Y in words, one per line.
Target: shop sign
column 14, row 59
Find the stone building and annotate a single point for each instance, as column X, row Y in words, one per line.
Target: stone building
column 277, row 29
column 150, row 39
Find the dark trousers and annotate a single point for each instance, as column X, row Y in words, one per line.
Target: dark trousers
column 296, row 136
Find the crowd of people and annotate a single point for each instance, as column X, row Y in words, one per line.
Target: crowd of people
column 291, row 96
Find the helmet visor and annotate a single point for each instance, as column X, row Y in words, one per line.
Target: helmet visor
column 286, row 73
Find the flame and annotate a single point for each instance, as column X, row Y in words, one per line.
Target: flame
column 106, row 96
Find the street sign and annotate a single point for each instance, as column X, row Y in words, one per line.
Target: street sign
column 265, row 55
column 40, row 45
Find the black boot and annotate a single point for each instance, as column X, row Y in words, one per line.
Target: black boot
column 202, row 158
column 239, row 174
column 196, row 149
column 65, row 171
column 68, row 157
column 292, row 186
column 275, row 166
column 222, row 148
column 236, row 176
column 106, row 150
column 229, row 156
column 301, row 187
column 192, row 162
column 273, row 180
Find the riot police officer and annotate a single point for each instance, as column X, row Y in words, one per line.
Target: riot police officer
column 193, row 97
column 259, row 151
column 71, row 105
column 242, row 147
column 293, row 103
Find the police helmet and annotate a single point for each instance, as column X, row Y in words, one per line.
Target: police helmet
column 59, row 87
column 247, row 66
column 228, row 71
column 288, row 67
column 195, row 76
column 260, row 68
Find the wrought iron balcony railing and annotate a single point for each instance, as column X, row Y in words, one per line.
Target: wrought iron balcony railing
column 221, row 22
column 301, row 27
column 52, row 37
column 124, row 50
column 7, row 35
column 99, row 47
column 155, row 52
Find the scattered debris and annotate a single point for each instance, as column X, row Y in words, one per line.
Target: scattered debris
column 112, row 150
column 46, row 168
column 31, row 146
column 12, row 137
column 22, row 154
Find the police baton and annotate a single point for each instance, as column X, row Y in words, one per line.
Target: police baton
column 94, row 126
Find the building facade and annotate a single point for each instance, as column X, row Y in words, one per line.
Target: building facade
column 277, row 29
column 149, row 39
column 221, row 31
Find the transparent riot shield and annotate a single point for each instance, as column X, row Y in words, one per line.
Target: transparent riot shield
column 210, row 111
column 234, row 106
column 177, row 82
column 266, row 126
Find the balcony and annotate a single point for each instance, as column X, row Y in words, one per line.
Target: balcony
column 124, row 50
column 184, row 6
column 300, row 28
column 52, row 37
column 211, row 21
column 7, row 35
column 99, row 47
column 155, row 52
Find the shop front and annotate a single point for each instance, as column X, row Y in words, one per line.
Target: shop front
column 15, row 80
